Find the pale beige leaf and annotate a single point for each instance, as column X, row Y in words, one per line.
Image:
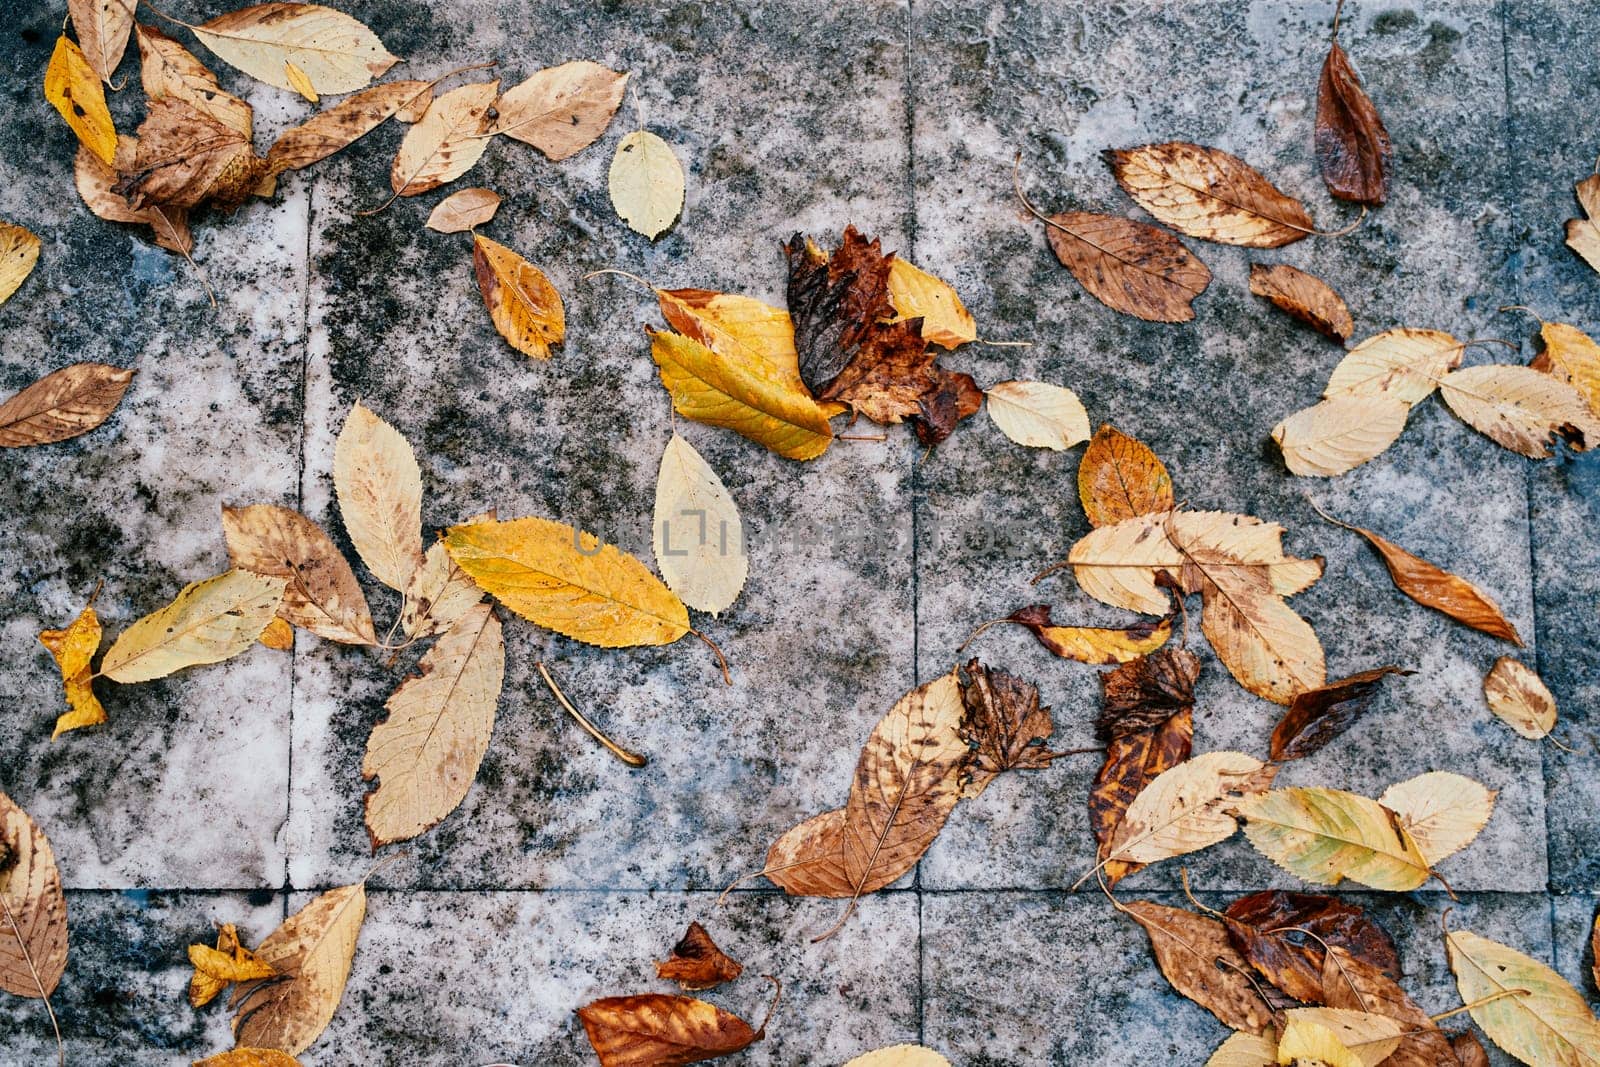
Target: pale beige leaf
column 917, row 294
column 334, row 52
column 646, row 182
column 33, row 921
column 19, row 251
column 1187, row 807
column 1327, row 835
column 323, row 595
column 170, row 71
column 1264, row 643
column 1368, row 1037
column 1038, row 415
column 1521, row 409
column 561, row 110
column 1583, row 235
column 380, row 496
column 208, row 622
column 900, row 1056
column 464, row 209
column 1525, row 1007
column 103, row 27
column 311, row 952
column 1246, row 1050
column 425, row 755
column 446, row 142
column 1443, row 812
column 1519, row 698
column 1340, row 434
column 440, row 593
column 62, row 404
column 1403, row 364
column 696, row 534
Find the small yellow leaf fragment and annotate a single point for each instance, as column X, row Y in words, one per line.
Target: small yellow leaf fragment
column 73, row 87
column 217, row 968
column 19, row 251
column 1519, row 698
column 299, row 81
column 249, row 1057
column 1308, row 1042
column 646, row 182
column 917, row 294
column 73, row 648
column 278, row 636
column 525, row 307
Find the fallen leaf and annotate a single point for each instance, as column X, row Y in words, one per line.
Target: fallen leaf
column 1583, row 235
column 1336, row 1037
column 1545, row 1021
column 1339, row 434
column 1207, row 193
column 900, row 1056
column 1519, row 698
column 754, row 337
column 697, row 963
column 62, row 404
column 525, row 307
column 916, row 294
column 425, row 753
column 1304, row 296
column 33, row 921
column 1354, row 983
column 439, row 594
column 170, row 71
column 464, row 209
column 1327, row 835
column 1005, row 729
column 217, row 968
column 248, row 1057
column 956, row 396
column 1038, row 415
column 208, row 622
column 312, row 952
column 72, row 85
column 103, row 27
column 697, row 536
column 1317, row 716
column 808, row 859
column 379, row 487
column 94, row 180
column 1145, row 693
column 1187, row 807
column 561, row 110
column 72, row 650
column 1128, row 265
column 322, row 594
column 1092, row 644
column 186, row 157
column 1120, row 478
column 1468, row 1050
column 1403, row 364
column 334, row 52
column 646, row 183
column 1442, row 812
column 337, row 127
column 1287, row 937
column 1194, row 954
column 278, row 636
column 300, row 81
column 1520, row 408
column 1246, row 1050
column 446, row 142
column 1571, row 355
column 569, row 582
column 1352, row 145
column 662, row 1030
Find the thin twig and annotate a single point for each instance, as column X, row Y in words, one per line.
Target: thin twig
column 632, row 759
column 727, row 679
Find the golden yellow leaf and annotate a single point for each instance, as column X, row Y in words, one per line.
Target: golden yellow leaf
column 900, row 1056
column 1340, row 434
column 1519, row 698
column 1186, row 807
column 322, row 594
column 1572, row 355
column 19, row 251
column 561, row 110
column 446, row 142
column 312, row 951
column 917, row 294
column 209, row 621
column 425, row 755
column 278, row 636
column 646, row 182
column 1327, row 835
column 708, row 387
column 333, row 52
column 1525, row 1007
column 299, row 81
column 1038, row 415
column 1312, row 1044
column 1583, row 235
column 569, row 582
column 33, row 923
column 753, row 336
column 380, row 496
column 73, row 87
column 1403, row 364
column 1120, row 478
column 440, row 593
column 464, row 209
column 72, row 649
column 102, row 27
column 1441, row 811
column 525, row 307
column 696, row 533
column 1521, row 409
column 249, row 1057
column 217, row 968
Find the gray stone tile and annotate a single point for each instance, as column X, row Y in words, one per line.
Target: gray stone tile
column 1059, row 84
column 1572, row 922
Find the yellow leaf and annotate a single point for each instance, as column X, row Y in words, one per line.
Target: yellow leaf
column 217, row 968
column 916, row 293
column 312, row 951
column 73, row 87
column 1583, row 235
column 1572, row 355
column 1327, row 835
column 380, row 496
column 525, row 307
column 73, row 648
column 646, row 182
column 1519, row 698
column 1520, row 408
column 696, row 534
column 708, row 387
column 19, row 251
column 1535, row 1015
column 464, row 209
column 1246, row 1050
column 1186, row 807
column 299, row 81
column 334, row 52
column 754, row 336
column 1314, row 1045
column 1402, row 364
column 249, row 1057
column 278, row 636
column 1362, row 1038
column 323, row 595
column 561, row 110
column 569, row 582
column 1340, row 434
column 1441, row 811
column 900, row 1056
column 1038, row 415
column 209, row 621
column 446, row 142
column 1120, row 478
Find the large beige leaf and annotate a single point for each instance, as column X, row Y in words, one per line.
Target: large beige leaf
column 1520, row 408
column 209, row 621
column 1187, row 807
column 900, row 1056
column 646, row 182
column 1246, row 1050
column 336, row 53
column 1264, row 643
column 33, row 919
column 1207, row 193
column 696, row 534
column 1369, row 1037
column 561, row 110
column 19, row 251
column 1519, row 698
column 446, row 142
column 170, row 71
column 1038, row 414
column 102, row 27
column 1441, row 811
column 380, row 496
column 916, row 294
column 1402, row 364
column 425, row 755
column 311, row 952
column 1327, row 835
column 568, row 581
column 1340, row 434
column 439, row 594
column 522, row 303
column 62, row 404
column 1571, row 355
column 323, row 595
column 1525, row 1007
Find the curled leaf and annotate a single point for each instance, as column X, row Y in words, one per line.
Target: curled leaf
column 337, row 127
column 1092, row 644
column 1304, row 296
column 1287, row 937
column 916, row 294
column 1317, row 716
column 697, row 963
column 217, row 968
column 72, row 650
column 1352, row 145
column 660, row 1029
column 1005, row 728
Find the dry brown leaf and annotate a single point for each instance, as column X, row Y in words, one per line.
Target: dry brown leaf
column 916, row 294
column 333, row 52
column 217, row 968
column 94, row 180
column 1287, row 937
column 1207, row 193
column 249, row 1057
column 956, row 396
column 33, row 908
column 1194, row 953
column 380, row 496
column 1120, row 478
column 1519, row 698
column 525, row 307
column 72, row 86
column 168, row 70
column 446, row 142
column 662, row 1030
column 62, row 404
column 337, row 127
column 697, row 963
column 1304, row 296
column 1129, row 266
column 1005, row 728
column 1188, row 807
column 1090, row 644
column 186, row 157
column 1469, row 1050
column 1520, row 408
column 72, row 649
column 808, row 860
column 1317, row 716
column 102, row 27
column 1442, row 812
column 1339, row 434
column 312, row 952
column 322, row 594
column 1404, row 364
column 561, row 110
column 1571, row 355
column 1352, row 145
column 464, row 209
column 1583, row 235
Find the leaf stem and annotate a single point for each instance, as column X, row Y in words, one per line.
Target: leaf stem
column 632, row 759
column 622, row 273
column 1480, row 1002
column 777, row 995
column 727, row 679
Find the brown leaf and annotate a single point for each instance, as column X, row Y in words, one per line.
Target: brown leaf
column 1583, row 235
column 1194, row 953
column 1352, row 146
column 168, row 70
column 1354, row 983
column 1142, row 695
column 1004, row 726
column 1519, row 698
column 1469, row 1051
column 323, row 595
column 955, row 397
column 33, row 918
column 697, row 963
column 888, row 379
column 312, row 952
column 446, row 142
column 94, row 181
column 1092, row 644
column 561, row 110
column 1129, row 266
column 337, row 127
column 1305, row 296
column 1133, row 760
column 808, row 860
column 102, row 27
column 464, row 209
column 1285, row 936
column 1207, row 193
column 662, row 1030
column 187, row 157
column 1317, row 716
column 1120, row 478
column 249, row 1057
column 62, row 404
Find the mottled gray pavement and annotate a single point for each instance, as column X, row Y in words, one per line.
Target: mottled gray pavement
column 230, row 793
